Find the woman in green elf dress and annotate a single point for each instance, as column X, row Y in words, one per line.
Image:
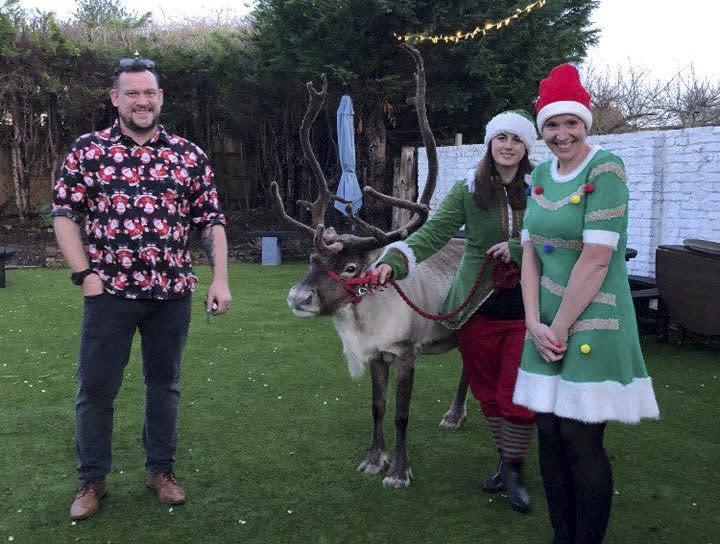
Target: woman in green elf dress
column 491, row 329
column 581, row 365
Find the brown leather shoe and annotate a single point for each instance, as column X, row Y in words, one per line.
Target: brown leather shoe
column 166, row 487
column 87, row 500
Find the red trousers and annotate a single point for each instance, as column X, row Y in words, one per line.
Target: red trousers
column 491, row 350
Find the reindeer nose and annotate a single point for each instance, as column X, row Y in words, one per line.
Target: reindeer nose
column 299, row 299
column 307, row 300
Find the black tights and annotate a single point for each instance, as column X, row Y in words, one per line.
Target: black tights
column 577, row 477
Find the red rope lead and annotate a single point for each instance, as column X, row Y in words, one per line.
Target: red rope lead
column 369, row 279
column 444, row 317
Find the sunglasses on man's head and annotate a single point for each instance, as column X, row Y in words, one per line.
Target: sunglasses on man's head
column 134, row 61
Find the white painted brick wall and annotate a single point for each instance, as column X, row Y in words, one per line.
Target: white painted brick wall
column 673, row 177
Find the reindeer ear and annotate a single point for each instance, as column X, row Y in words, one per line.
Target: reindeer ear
column 330, row 238
column 335, row 247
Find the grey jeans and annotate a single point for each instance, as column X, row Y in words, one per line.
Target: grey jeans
column 109, row 324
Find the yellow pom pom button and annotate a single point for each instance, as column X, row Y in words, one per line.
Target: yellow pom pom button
column 585, row 348
column 575, row 199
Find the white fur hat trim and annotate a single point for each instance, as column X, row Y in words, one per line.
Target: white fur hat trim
column 513, row 123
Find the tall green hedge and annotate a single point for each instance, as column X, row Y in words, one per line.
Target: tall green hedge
column 236, row 87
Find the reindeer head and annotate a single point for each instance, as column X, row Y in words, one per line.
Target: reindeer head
column 347, row 255
column 320, row 292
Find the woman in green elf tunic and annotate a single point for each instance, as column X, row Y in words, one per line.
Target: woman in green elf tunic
column 581, row 364
column 490, row 203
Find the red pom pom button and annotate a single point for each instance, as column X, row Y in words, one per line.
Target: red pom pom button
column 589, row 187
column 538, row 190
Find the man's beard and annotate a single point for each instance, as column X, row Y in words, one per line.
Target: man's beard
column 134, row 127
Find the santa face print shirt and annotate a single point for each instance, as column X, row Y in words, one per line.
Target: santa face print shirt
column 138, row 203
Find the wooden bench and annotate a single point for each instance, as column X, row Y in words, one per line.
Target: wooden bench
column 643, row 289
column 644, row 294
column 5, row 253
column 271, row 244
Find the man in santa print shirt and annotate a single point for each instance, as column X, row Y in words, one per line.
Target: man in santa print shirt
column 136, row 190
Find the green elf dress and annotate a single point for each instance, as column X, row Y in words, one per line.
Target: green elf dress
column 602, row 376
column 483, row 229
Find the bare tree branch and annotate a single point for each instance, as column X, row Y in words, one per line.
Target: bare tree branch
column 629, row 99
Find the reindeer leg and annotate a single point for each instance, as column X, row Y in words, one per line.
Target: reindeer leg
column 457, row 412
column 376, row 459
column 399, row 473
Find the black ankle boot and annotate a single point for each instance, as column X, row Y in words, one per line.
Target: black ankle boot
column 517, row 496
column 496, row 482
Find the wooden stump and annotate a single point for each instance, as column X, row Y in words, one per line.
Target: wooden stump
column 404, row 184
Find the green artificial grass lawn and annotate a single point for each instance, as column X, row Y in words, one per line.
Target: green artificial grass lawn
column 272, row 428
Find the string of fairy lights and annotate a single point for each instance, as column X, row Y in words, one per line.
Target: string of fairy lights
column 477, row 31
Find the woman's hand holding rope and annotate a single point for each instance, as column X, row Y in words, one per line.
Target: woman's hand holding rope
column 500, row 251
column 382, row 273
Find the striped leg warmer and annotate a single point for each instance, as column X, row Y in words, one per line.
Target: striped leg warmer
column 516, row 439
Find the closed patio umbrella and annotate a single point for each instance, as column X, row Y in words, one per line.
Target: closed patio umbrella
column 348, row 188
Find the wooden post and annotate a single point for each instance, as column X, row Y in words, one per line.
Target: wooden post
column 458, row 138
column 404, row 184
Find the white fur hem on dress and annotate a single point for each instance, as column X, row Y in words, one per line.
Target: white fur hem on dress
column 405, row 250
column 590, row 402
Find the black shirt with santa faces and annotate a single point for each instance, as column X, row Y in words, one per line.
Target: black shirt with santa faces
column 138, row 203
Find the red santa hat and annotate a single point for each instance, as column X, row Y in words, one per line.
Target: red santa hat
column 561, row 92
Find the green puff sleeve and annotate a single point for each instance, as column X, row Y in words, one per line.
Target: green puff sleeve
column 437, row 231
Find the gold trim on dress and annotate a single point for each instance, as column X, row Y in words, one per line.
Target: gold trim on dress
column 608, row 213
column 557, row 289
column 611, row 167
column 594, row 325
column 551, row 205
column 557, row 242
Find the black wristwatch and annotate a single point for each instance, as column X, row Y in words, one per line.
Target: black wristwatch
column 79, row 277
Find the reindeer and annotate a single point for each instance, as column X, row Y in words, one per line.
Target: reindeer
column 376, row 327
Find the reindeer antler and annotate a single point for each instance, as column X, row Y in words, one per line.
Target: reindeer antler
column 327, row 240
column 318, row 207
column 420, row 208
column 294, row 222
column 317, row 99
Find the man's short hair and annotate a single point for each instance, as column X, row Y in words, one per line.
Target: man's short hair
column 133, row 64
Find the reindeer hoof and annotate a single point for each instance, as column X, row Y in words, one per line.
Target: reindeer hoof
column 398, row 481
column 374, row 463
column 453, row 420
